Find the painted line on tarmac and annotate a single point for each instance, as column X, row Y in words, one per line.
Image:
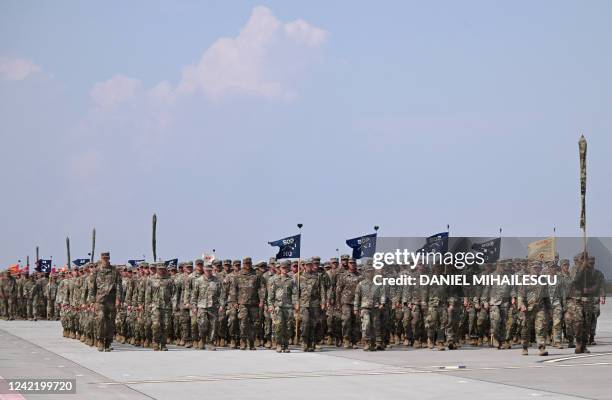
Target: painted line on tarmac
column 327, row 374
column 576, row 357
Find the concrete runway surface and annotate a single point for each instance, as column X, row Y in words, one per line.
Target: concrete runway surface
column 37, row 349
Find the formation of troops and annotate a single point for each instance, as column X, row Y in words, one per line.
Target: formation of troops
column 276, row 304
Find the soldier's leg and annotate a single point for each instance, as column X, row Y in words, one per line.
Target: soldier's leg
column 557, row 324
column 194, row 331
column 366, row 323
column 166, row 331
column 495, row 318
column 347, row 329
column 185, row 321
column 253, row 324
column 243, row 322
column 305, row 327
column 12, row 309
column 596, row 314
column 376, row 329
column 232, row 325
column 540, row 326
column 267, row 329
column 156, row 325
column 528, row 318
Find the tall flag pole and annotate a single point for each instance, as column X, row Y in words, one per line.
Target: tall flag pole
column 93, row 244
column 154, row 238
column 37, row 254
column 297, row 326
column 68, row 262
column 582, row 148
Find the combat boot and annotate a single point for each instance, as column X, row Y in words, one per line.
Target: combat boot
column 200, row 345
column 268, row 344
column 495, row 343
column 525, row 351
column 543, row 351
column 243, row 344
column 164, row 348
column 279, row 348
column 558, row 345
column 440, row 346
column 221, row 342
column 286, row 350
column 100, row 345
column 65, row 334
column 451, row 345
column 155, row 346
column 478, row 342
column 417, row 344
column 181, row 342
column 347, row 344
column 90, row 342
column 329, row 341
column 406, row 342
column 137, row 342
column 188, row 345
column 571, row 344
column 485, row 342
column 430, row 344
column 72, row 335
column 304, row 347
column 252, row 345
column 507, row 345
column 146, row 343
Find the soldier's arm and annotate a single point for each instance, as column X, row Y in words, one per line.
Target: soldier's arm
column 91, row 295
column 195, row 294
column 272, row 295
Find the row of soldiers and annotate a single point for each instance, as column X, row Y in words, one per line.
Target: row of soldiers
column 28, row 296
column 238, row 304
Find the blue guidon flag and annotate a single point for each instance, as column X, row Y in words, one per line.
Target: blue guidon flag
column 490, row 249
column 173, row 263
column 437, row 243
column 79, row 262
column 43, row 266
column 289, row 247
column 134, row 263
column 363, row 246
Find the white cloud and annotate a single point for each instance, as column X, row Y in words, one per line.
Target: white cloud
column 302, row 31
column 244, row 64
column 16, row 69
column 114, row 91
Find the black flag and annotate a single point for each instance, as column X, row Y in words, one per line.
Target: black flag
column 289, row 247
column 363, row 246
column 490, row 249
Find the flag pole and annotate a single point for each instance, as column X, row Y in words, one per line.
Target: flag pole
column 68, row 251
column 582, row 149
column 299, row 272
column 93, row 244
column 154, row 237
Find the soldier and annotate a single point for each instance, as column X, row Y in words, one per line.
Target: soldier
column 64, row 298
column 557, row 295
column 483, row 318
column 183, row 297
column 601, row 292
column 261, row 269
column 534, row 303
column 369, row 302
column 206, row 301
column 122, row 316
column 27, row 294
column 224, row 277
column 162, row 297
column 345, row 296
column 269, row 276
column 138, row 303
column 437, row 316
column 415, row 300
column 10, row 296
column 175, row 275
column 282, row 298
column 39, row 306
column 130, row 319
column 584, row 289
column 103, row 297
column 88, row 313
column 334, row 311
column 311, row 300
column 233, row 326
column 247, row 295
column 498, row 304
column 566, row 277
column 51, row 295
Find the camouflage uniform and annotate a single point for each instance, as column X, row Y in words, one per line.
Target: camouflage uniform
column 10, row 296
column 51, row 295
column 106, row 283
column 311, row 297
column 345, row 296
column 183, row 298
column 534, row 303
column 437, row 313
column 207, row 300
column 28, row 292
column 282, row 296
column 247, row 295
column 498, row 303
column 162, row 295
column 369, row 301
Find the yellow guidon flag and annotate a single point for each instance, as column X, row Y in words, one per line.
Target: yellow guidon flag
column 543, row 250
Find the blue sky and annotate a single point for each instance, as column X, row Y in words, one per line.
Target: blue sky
column 236, row 120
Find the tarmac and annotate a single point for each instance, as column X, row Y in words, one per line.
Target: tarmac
column 38, row 350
